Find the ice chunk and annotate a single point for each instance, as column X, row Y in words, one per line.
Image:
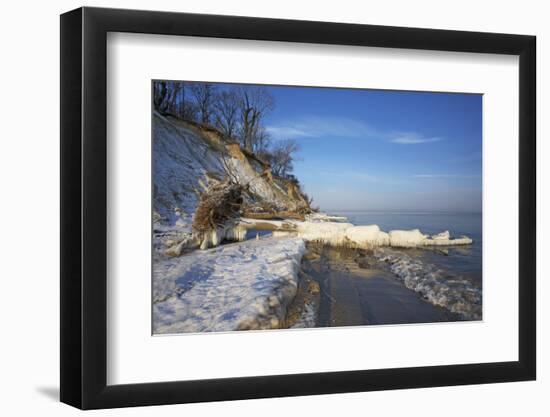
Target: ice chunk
column 406, row 238
column 322, row 217
column 442, row 236
column 326, row 232
column 462, row 240
column 365, row 236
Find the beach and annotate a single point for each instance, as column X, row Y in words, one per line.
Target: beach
column 355, row 289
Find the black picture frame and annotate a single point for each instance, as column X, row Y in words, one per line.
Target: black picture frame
column 84, row 207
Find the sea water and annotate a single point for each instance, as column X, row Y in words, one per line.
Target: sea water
column 447, row 276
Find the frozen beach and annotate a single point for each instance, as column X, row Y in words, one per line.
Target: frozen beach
column 238, row 246
column 295, row 279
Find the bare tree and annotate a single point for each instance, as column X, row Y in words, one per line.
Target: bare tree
column 226, row 109
column 165, row 96
column 185, row 109
column 204, row 94
column 254, row 102
column 281, row 157
column 179, row 101
column 191, row 111
column 160, row 91
column 262, row 140
column 174, row 93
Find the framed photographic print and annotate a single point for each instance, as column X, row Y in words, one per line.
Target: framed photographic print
column 258, row 207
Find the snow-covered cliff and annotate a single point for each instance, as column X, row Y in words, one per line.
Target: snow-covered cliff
column 187, row 158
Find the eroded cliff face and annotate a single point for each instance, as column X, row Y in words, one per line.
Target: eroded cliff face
column 188, row 158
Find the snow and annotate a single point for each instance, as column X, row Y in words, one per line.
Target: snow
column 245, row 174
column 181, row 161
column 184, row 163
column 242, row 286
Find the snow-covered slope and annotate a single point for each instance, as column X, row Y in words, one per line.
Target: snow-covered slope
column 241, row 286
column 182, row 160
column 186, row 158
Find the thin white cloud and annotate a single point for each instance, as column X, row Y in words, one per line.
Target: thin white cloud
column 287, row 132
column 410, row 138
column 343, row 127
column 315, row 126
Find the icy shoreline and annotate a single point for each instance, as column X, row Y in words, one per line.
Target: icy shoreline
column 249, row 285
column 436, row 285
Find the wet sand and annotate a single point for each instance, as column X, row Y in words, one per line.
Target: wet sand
column 351, row 295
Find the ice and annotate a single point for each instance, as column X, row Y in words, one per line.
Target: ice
column 436, row 285
column 406, row 238
column 240, row 286
column 462, row 240
column 442, row 236
column 325, row 232
column 366, row 236
column 235, row 233
column 346, row 234
column 322, row 217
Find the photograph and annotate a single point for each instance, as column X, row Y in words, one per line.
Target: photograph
column 292, row 207
column 267, row 209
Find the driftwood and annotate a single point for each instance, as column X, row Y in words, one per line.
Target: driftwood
column 273, row 225
column 281, row 215
column 218, row 204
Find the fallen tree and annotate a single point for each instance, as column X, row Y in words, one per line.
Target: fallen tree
column 217, row 214
column 278, row 215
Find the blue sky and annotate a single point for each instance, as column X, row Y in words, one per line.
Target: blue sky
column 383, row 150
